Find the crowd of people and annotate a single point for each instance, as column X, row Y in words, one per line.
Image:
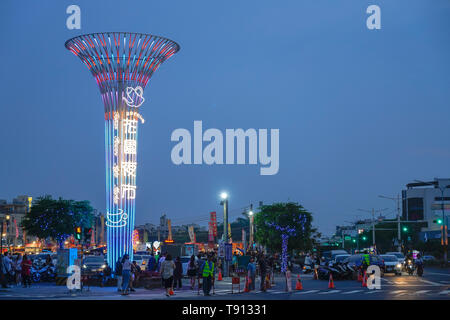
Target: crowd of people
column 15, row 270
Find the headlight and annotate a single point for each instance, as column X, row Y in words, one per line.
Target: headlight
column 399, row 265
column 103, row 266
column 84, row 266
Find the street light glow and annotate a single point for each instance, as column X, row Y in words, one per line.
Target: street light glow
column 224, row 195
column 250, row 213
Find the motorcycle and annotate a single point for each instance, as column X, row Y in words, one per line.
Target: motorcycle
column 325, row 271
column 410, row 268
column 46, row 273
column 419, row 266
column 308, row 268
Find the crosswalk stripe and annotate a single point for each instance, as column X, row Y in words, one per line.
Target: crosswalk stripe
column 350, row 292
column 431, row 282
column 373, row 291
column 331, row 291
column 306, row 292
column 422, row 291
column 444, row 292
column 398, row 291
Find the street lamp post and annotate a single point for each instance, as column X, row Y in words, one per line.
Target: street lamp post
column 224, row 202
column 250, row 213
column 399, row 239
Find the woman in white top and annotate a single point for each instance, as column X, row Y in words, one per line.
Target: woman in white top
column 167, row 268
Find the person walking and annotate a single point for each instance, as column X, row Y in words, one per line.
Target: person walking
column 160, row 261
column 192, row 271
column 26, row 271
column 178, row 273
column 18, row 269
column 251, row 268
column 207, row 274
column 135, row 274
column 167, row 269
column 106, row 274
column 126, row 274
column 118, row 275
column 8, row 266
column 263, row 271
column 3, row 272
column 151, row 265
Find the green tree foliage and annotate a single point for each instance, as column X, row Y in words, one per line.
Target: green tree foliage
column 284, row 214
column 57, row 219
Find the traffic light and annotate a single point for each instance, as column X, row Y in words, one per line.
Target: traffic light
column 405, row 229
column 438, row 221
column 364, row 238
column 78, row 233
column 353, row 240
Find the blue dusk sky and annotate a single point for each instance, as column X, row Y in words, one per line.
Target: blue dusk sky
column 360, row 112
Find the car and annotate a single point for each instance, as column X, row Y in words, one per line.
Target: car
column 141, row 260
column 400, row 256
column 340, row 257
column 355, row 261
column 329, row 255
column 429, row 258
column 391, row 264
column 93, row 264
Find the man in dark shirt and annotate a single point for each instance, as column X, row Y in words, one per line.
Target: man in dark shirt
column 263, row 271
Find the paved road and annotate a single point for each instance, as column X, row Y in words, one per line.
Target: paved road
column 435, row 285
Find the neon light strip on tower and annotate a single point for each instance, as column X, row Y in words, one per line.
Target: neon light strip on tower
column 122, row 64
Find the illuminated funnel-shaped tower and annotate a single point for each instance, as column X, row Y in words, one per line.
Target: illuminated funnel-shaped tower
column 122, row 64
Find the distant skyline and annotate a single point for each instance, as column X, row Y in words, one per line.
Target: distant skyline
column 360, row 112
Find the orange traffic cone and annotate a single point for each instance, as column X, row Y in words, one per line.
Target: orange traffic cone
column 246, row 284
column 360, row 276
column 331, row 282
column 364, row 281
column 219, row 278
column 299, row 285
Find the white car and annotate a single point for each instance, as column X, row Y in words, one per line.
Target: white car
column 391, row 264
column 400, row 256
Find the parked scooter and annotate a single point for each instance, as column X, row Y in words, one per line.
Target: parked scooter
column 46, row 273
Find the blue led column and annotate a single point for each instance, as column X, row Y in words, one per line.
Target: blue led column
column 122, row 64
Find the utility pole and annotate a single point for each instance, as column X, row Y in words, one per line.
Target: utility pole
column 251, row 216
column 225, row 238
column 399, row 238
column 373, row 222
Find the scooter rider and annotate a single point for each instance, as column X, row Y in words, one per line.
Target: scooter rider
column 419, row 265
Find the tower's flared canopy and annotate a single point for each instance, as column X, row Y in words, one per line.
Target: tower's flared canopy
column 122, row 56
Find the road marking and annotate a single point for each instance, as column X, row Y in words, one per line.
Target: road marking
column 398, row 291
column 305, row 292
column 445, row 282
column 331, row 291
column 431, row 282
column 373, row 291
column 422, row 291
column 350, row 292
column 445, row 292
column 439, row 274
